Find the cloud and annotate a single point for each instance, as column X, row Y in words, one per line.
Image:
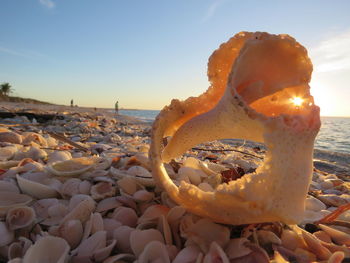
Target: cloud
column 211, row 10
column 332, row 54
column 23, row 54
column 47, row 3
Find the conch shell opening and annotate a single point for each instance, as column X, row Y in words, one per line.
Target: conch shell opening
column 259, row 91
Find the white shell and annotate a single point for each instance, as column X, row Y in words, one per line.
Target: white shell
column 38, row 189
column 56, row 249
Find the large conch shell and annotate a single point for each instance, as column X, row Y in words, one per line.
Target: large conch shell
column 254, row 77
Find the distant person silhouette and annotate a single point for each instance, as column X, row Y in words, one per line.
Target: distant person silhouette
column 116, row 108
column 71, row 103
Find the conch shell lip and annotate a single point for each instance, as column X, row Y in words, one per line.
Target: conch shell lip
column 249, row 98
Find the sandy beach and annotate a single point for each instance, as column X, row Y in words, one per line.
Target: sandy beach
column 83, row 183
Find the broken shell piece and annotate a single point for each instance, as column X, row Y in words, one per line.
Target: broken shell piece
column 7, row 152
column 187, row 255
column 337, row 236
column 59, row 156
column 10, row 137
column 38, row 185
column 141, row 175
column 6, row 235
column 107, row 204
column 125, row 215
column 90, row 247
column 249, row 98
column 236, row 248
column 122, row 235
column 204, row 232
column 47, row 249
column 10, row 199
column 140, row 238
column 32, row 152
column 102, row 190
column 72, row 232
column 154, row 252
column 82, row 210
column 8, row 187
column 73, row 167
column 20, row 217
column 215, row 254
column 143, row 196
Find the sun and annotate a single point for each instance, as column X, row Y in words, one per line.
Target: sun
column 297, row 101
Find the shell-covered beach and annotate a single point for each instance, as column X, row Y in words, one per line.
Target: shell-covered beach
column 79, row 188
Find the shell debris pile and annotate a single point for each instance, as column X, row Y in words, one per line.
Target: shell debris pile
column 61, row 204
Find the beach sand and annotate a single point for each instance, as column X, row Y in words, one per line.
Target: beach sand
column 107, row 192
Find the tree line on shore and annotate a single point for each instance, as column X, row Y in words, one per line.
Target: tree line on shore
column 5, row 89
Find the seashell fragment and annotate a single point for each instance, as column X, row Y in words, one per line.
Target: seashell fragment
column 20, row 217
column 73, row 167
column 122, row 235
column 154, row 252
column 204, row 232
column 251, row 97
column 215, row 254
column 37, row 185
column 7, row 152
column 102, row 190
column 140, row 238
column 11, row 137
column 9, row 200
column 6, row 235
column 56, row 251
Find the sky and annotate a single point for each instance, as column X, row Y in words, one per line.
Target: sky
column 145, row 53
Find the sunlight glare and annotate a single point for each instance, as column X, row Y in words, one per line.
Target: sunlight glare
column 297, row 101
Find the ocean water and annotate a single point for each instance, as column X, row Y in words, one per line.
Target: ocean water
column 334, row 135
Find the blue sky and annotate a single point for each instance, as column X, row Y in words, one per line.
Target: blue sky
column 144, row 53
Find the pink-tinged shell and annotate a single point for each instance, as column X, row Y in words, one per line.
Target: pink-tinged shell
column 236, row 248
column 125, row 215
column 187, row 255
column 88, row 247
column 20, row 217
column 142, row 196
column 18, row 249
column 72, row 232
column 140, row 238
column 153, row 213
column 81, row 211
column 102, row 190
column 107, row 204
column 57, row 251
column 103, row 253
column 41, row 207
column 38, row 186
column 122, row 235
column 204, row 232
column 154, row 252
column 215, row 254
column 164, row 228
column 10, row 199
column 110, row 225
